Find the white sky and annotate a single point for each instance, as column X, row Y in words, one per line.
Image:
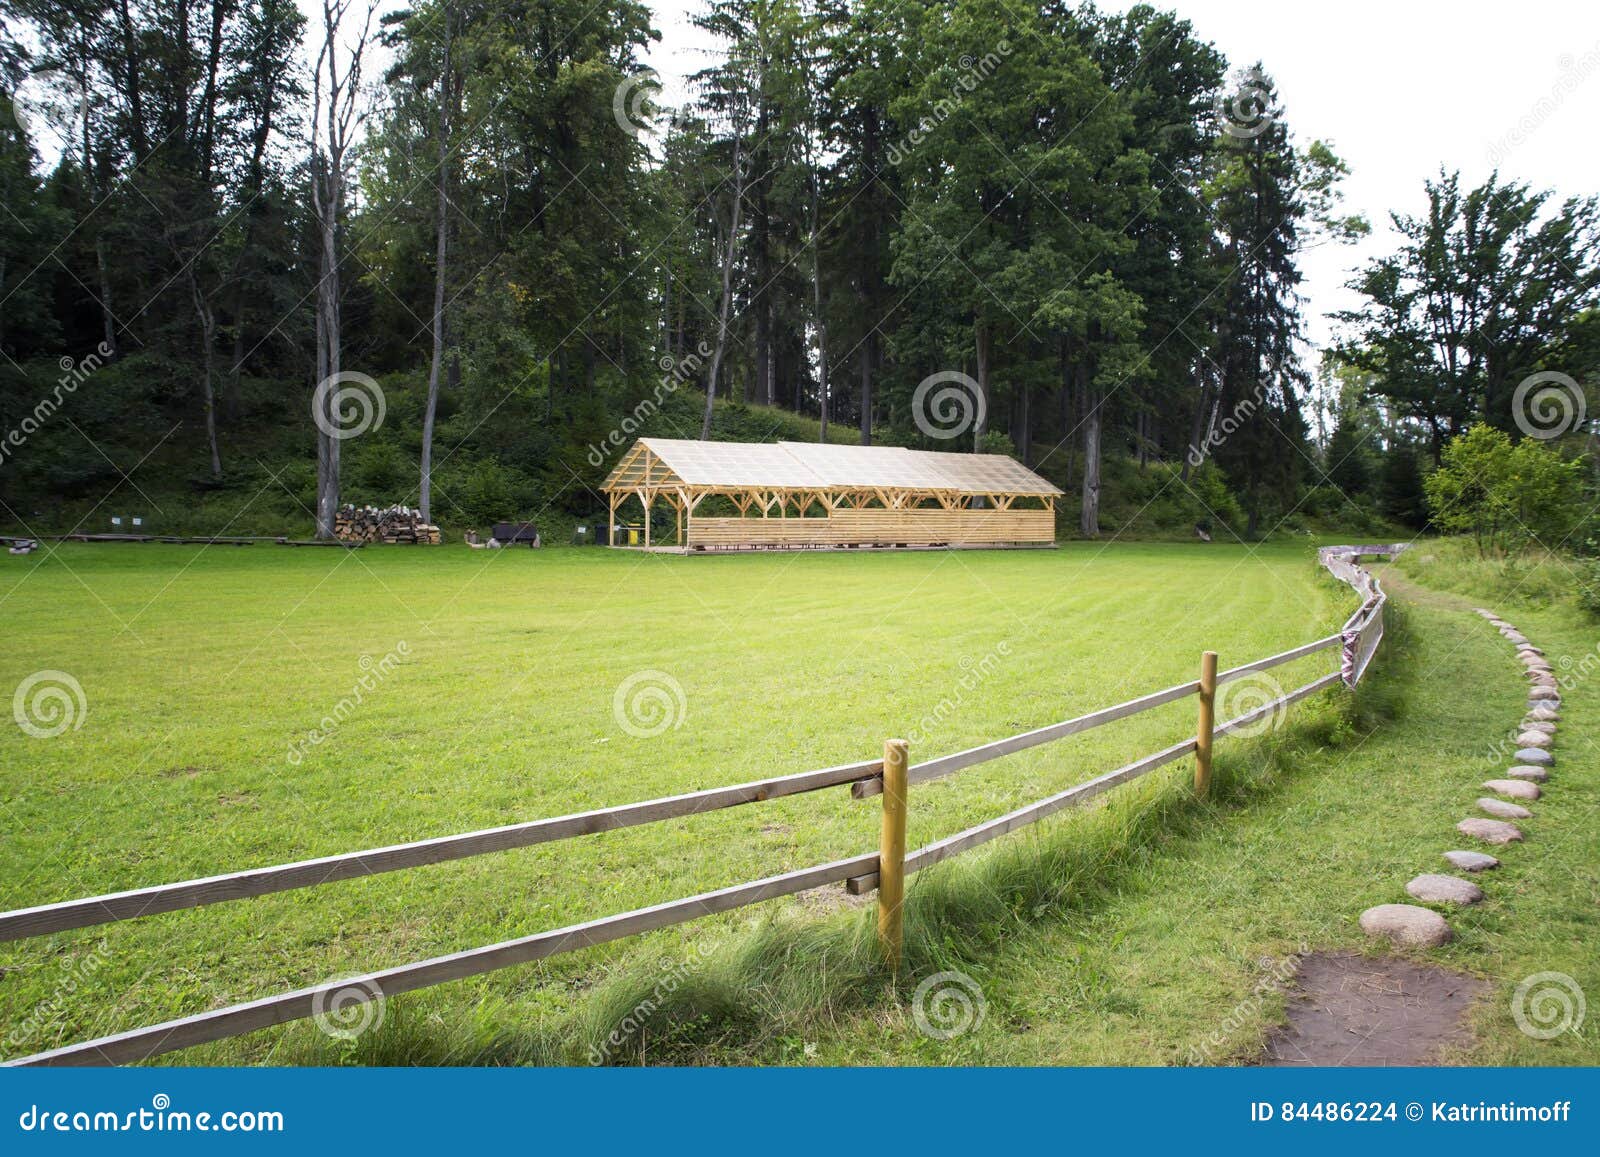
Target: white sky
column 1398, row 87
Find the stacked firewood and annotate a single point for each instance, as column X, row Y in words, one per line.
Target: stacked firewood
column 385, row 524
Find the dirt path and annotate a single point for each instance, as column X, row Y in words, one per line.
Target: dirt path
column 1355, row 1010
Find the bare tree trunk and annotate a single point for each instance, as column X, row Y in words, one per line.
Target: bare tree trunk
column 208, row 394
column 328, row 339
column 1025, row 443
column 1196, row 454
column 816, row 302
column 728, row 251
column 868, row 348
column 336, row 117
column 981, row 413
column 1089, row 516
column 425, row 499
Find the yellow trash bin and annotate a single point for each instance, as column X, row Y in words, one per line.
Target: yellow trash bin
column 633, row 536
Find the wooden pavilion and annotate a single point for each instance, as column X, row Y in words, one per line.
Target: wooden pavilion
column 738, row 495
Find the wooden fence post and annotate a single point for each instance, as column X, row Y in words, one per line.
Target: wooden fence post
column 892, row 852
column 1205, row 730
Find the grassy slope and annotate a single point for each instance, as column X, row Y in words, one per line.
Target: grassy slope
column 201, row 666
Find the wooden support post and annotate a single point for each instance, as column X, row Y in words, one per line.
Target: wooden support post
column 1206, row 729
column 611, row 520
column 892, row 851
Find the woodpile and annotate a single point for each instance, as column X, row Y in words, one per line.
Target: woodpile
column 393, row 524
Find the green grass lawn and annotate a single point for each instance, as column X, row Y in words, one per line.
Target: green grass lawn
column 1121, row 934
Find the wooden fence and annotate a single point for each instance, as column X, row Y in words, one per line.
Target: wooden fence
column 884, row 869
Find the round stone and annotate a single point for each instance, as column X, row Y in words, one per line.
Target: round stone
column 1543, row 727
column 1534, row 755
column 1502, row 810
column 1489, row 831
column 1438, row 889
column 1545, row 693
column 1545, row 714
column 1515, row 788
column 1528, row 649
column 1527, row 771
column 1406, row 924
column 1533, row 739
column 1488, row 614
column 1472, row 861
column 1516, row 636
column 1540, row 679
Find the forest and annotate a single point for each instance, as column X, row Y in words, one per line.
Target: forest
column 255, row 264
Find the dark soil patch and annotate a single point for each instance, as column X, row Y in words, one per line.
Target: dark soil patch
column 1350, row 1010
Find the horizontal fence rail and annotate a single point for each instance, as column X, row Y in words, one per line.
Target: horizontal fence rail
column 142, row 1043
column 48, row 918
column 1357, row 640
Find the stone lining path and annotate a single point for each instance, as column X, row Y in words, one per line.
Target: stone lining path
column 1414, row 925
